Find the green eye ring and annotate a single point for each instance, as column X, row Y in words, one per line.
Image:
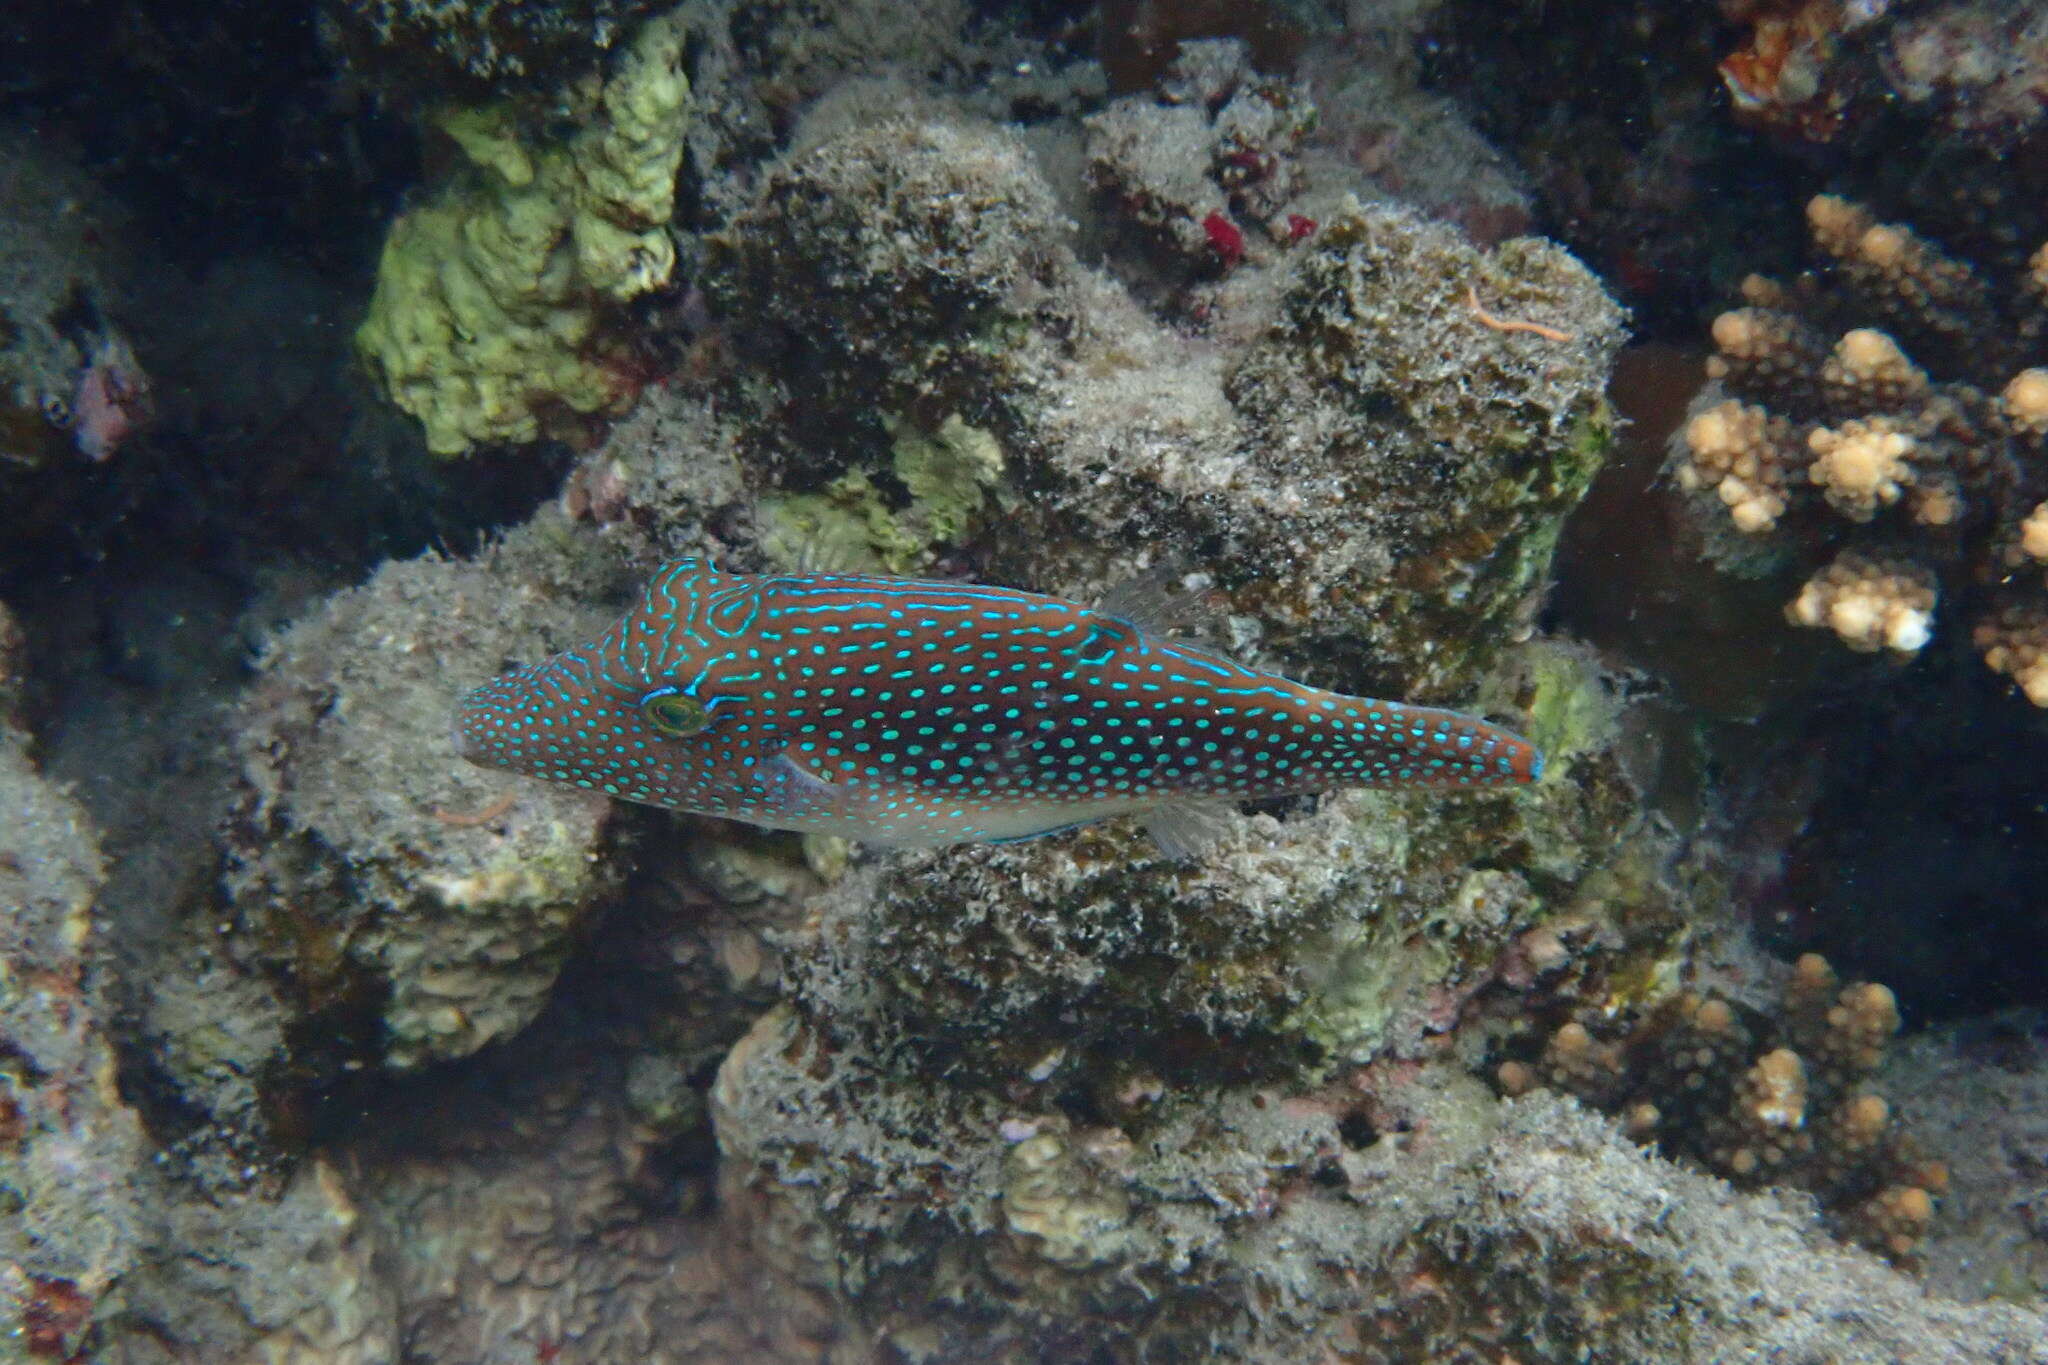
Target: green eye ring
column 673, row 714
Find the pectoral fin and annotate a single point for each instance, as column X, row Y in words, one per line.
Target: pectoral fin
column 791, row 789
column 1182, row 829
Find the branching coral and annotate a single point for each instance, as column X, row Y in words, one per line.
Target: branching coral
column 1912, row 448
column 1870, row 604
column 1780, row 1100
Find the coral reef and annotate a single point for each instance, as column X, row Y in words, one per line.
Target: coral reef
column 491, row 294
column 1192, row 1230
column 443, row 1064
column 1975, row 69
column 1049, row 1074
column 1906, row 449
column 549, row 1201
column 1356, row 411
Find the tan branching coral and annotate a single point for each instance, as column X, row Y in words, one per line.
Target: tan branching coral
column 1741, row 452
column 1776, row 1100
column 1870, row 604
column 2015, row 643
column 1867, row 369
column 1874, row 417
column 1907, row 279
column 2024, row 403
column 1862, row 466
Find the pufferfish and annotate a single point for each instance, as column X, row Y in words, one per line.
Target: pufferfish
column 913, row 712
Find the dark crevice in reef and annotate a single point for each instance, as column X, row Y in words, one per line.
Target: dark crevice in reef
column 220, row 124
column 1922, row 863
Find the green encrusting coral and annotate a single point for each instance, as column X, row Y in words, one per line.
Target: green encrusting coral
column 491, row 295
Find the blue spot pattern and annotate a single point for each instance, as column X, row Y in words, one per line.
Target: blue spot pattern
column 907, row 711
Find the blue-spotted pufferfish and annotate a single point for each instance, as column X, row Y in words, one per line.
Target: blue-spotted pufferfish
column 913, row 712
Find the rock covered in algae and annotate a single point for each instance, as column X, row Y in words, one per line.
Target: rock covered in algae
column 492, row 295
column 64, row 286
column 1050, row 1073
column 490, row 40
column 897, row 255
column 1381, row 471
column 548, row 1198
column 293, row 1274
column 397, row 884
column 1403, row 1216
column 72, row 1153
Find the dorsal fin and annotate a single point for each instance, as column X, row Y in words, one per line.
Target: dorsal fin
column 1158, row 600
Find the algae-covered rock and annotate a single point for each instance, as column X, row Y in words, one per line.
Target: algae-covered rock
column 951, row 475
column 295, row 1272
column 398, row 885
column 65, row 359
column 72, row 1153
column 897, row 260
column 491, row 40
column 1405, row 1215
column 492, row 295
column 1378, row 478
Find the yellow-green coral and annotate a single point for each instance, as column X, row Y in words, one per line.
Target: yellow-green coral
column 848, row 525
column 489, row 294
column 948, row 474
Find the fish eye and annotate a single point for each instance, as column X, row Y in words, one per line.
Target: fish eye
column 673, row 714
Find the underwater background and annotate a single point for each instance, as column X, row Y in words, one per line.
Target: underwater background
column 1663, row 380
